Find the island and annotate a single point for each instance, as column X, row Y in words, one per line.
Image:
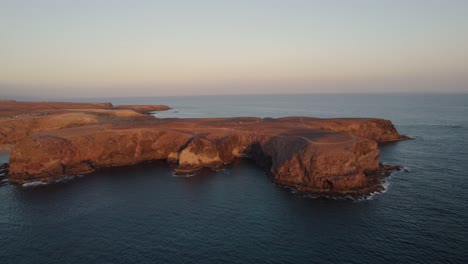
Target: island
column 50, row 140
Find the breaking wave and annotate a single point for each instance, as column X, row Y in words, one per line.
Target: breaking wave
column 55, row 181
column 188, row 175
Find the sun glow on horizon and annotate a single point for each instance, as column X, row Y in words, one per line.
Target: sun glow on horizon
column 167, row 46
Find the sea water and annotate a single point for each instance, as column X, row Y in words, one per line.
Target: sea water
column 143, row 214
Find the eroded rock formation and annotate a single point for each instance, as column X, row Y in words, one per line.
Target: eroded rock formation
column 311, row 154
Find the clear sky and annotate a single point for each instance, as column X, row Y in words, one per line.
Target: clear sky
column 137, row 48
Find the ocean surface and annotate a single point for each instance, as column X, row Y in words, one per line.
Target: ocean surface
column 144, row 214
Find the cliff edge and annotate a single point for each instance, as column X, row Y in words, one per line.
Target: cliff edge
column 336, row 156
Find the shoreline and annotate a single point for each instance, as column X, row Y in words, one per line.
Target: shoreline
column 363, row 194
column 332, row 156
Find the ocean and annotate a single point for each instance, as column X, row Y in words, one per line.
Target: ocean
column 145, row 214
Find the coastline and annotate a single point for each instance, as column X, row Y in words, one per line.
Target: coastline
column 330, row 156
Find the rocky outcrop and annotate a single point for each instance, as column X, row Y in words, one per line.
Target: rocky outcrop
column 319, row 155
column 3, row 169
column 322, row 166
column 14, row 109
column 144, row 108
column 3, row 173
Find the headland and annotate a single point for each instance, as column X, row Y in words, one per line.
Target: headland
column 49, row 140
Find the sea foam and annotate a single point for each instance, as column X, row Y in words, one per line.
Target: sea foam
column 59, row 180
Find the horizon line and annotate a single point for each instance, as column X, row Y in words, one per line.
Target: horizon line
column 53, row 98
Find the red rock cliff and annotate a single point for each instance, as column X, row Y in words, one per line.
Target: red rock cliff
column 320, row 155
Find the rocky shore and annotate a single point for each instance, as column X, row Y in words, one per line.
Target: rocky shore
column 335, row 156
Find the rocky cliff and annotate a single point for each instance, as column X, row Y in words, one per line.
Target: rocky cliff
column 310, row 154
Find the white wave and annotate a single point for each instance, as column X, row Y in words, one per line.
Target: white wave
column 385, row 184
column 59, row 180
column 188, row 175
column 34, row 184
column 405, row 169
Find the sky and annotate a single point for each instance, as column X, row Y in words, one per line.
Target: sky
column 69, row 48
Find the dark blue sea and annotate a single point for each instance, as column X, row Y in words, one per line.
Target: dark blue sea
column 144, row 214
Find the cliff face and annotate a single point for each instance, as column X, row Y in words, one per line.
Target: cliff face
column 302, row 159
column 82, row 150
column 315, row 165
column 320, row 155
